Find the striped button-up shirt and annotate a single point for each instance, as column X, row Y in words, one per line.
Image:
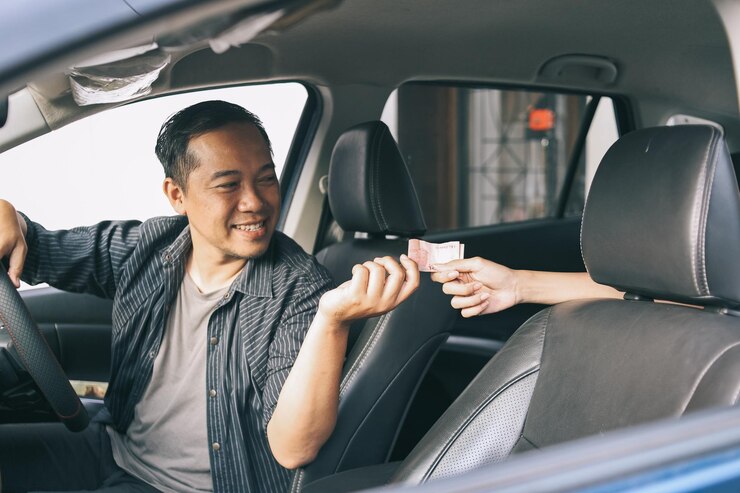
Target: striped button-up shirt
column 253, row 335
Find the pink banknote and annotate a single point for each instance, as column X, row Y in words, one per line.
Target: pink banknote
column 426, row 254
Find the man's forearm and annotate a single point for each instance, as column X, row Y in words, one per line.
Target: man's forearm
column 307, row 407
column 556, row 287
column 306, row 410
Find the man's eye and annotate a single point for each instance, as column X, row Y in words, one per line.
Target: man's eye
column 227, row 185
column 268, row 179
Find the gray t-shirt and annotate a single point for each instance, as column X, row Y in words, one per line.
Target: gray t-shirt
column 167, row 444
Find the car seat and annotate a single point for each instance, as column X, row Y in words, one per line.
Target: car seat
column 662, row 221
column 370, row 191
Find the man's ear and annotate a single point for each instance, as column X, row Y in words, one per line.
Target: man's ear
column 175, row 195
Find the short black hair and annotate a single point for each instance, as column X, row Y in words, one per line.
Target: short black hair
column 195, row 120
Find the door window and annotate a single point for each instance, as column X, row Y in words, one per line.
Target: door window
column 489, row 156
column 104, row 167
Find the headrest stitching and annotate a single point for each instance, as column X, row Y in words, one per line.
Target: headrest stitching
column 711, row 154
column 698, row 272
column 695, row 218
column 383, row 135
column 375, row 180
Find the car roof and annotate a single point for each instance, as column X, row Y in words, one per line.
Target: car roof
column 669, row 56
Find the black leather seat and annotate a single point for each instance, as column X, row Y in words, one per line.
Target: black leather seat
column 662, row 221
column 370, row 191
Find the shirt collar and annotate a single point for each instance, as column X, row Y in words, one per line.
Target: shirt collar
column 255, row 279
column 177, row 252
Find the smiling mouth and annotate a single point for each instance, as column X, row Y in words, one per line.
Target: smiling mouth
column 250, row 227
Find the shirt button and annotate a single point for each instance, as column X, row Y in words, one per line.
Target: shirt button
column 214, row 340
column 226, row 296
column 216, row 446
column 152, row 354
column 212, row 393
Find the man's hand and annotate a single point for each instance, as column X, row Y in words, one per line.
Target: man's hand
column 478, row 286
column 375, row 288
column 12, row 240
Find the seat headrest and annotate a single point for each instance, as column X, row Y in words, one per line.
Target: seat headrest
column 662, row 218
column 370, row 189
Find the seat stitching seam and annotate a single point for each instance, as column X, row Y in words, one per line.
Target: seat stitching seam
column 352, row 372
column 696, row 220
column 705, row 217
column 380, row 190
column 480, row 408
column 528, row 441
column 485, row 403
column 704, row 372
column 542, row 352
column 380, row 396
column 374, row 159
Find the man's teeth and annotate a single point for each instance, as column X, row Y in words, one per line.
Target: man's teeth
column 250, row 227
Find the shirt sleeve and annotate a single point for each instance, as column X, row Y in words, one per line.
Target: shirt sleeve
column 86, row 259
column 301, row 309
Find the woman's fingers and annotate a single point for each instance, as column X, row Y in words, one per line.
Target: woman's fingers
column 474, row 310
column 461, row 289
column 445, row 276
column 461, row 302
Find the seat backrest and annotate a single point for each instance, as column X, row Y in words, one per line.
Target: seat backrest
column 662, row 221
column 370, row 191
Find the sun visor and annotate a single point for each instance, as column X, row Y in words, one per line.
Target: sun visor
column 122, row 76
column 128, row 74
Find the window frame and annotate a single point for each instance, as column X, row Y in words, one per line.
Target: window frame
column 624, row 120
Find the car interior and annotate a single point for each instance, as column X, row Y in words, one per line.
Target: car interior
column 475, row 121
column 581, row 368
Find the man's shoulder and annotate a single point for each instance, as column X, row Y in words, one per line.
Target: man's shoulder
column 163, row 228
column 165, row 223
column 290, row 258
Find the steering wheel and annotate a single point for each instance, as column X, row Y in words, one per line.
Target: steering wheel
column 38, row 358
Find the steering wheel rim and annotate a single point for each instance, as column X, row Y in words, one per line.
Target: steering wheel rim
column 38, row 358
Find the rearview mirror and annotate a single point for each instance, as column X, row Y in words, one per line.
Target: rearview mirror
column 3, row 111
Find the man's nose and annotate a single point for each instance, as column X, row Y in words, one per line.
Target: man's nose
column 250, row 200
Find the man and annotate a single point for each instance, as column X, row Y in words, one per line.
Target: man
column 227, row 342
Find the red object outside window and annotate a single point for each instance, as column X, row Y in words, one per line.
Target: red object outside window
column 541, row 119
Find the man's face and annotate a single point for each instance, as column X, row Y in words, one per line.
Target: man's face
column 232, row 198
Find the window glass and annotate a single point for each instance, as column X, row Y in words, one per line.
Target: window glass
column 488, row 156
column 601, row 135
column 104, row 166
